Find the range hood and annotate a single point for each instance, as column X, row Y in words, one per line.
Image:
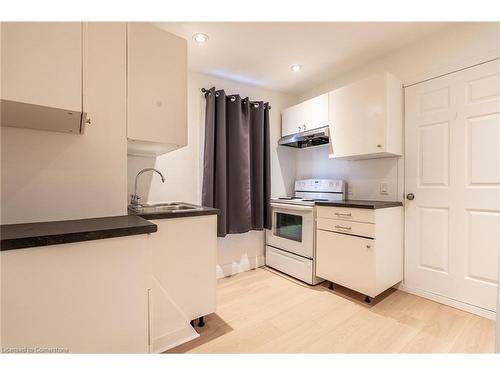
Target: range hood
column 309, row 138
column 32, row 116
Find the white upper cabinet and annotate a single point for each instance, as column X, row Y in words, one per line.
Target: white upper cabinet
column 42, row 76
column 157, row 90
column 42, row 63
column 311, row 114
column 366, row 119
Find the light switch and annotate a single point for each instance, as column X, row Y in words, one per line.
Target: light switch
column 384, row 190
column 350, row 190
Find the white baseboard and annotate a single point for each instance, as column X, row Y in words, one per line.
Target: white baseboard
column 245, row 264
column 449, row 302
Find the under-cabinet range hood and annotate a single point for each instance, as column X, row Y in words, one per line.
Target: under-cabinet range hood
column 32, row 116
column 309, row 138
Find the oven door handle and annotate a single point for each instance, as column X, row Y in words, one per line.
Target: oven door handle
column 292, row 207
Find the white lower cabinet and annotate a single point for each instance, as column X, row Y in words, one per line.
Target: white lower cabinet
column 365, row 257
column 82, row 297
column 348, row 261
column 184, row 258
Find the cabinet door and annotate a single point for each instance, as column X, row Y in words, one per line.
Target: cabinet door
column 42, row 63
column 157, row 85
column 311, row 114
column 184, row 262
column 291, row 120
column 346, row 260
column 357, row 118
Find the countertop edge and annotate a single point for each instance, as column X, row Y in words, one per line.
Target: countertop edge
column 121, row 230
column 370, row 205
column 30, row 235
column 174, row 215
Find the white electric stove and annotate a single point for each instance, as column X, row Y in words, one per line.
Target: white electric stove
column 290, row 243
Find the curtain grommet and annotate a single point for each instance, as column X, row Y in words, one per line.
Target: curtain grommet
column 233, row 99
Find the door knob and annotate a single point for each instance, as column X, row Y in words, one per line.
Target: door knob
column 410, row 196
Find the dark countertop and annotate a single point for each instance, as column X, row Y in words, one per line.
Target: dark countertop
column 18, row 236
column 373, row 205
column 172, row 215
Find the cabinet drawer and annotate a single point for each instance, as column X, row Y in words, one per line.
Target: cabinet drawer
column 346, row 213
column 346, row 260
column 293, row 265
column 346, row 226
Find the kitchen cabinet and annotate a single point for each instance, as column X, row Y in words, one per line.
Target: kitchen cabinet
column 366, row 119
column 42, row 65
column 359, row 248
column 310, row 114
column 184, row 253
column 81, row 297
column 157, row 90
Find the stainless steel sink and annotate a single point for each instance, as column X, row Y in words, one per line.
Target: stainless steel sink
column 152, row 208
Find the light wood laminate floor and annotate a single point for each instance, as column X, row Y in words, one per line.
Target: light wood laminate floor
column 260, row 311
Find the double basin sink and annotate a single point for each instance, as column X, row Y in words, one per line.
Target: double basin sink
column 158, row 208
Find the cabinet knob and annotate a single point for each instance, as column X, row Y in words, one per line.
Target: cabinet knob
column 410, row 196
column 368, row 246
column 379, row 146
column 88, row 120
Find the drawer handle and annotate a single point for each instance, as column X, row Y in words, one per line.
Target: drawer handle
column 293, row 259
column 341, row 227
column 341, row 214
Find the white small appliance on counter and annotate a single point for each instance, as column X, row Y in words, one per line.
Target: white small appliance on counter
column 291, row 243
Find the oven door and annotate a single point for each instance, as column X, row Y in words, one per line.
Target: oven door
column 292, row 229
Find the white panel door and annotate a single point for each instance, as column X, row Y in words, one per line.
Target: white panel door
column 453, row 169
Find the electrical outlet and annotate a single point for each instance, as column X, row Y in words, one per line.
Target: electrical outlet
column 350, row 190
column 384, row 189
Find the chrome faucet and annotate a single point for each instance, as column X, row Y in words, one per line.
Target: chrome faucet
column 134, row 201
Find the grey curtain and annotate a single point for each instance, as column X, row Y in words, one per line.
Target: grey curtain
column 236, row 169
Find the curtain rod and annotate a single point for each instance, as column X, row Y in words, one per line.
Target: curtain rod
column 205, row 91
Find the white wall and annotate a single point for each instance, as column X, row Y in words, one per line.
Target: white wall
column 363, row 176
column 183, row 168
column 454, row 47
column 57, row 176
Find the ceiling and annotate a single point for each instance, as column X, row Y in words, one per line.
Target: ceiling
column 261, row 53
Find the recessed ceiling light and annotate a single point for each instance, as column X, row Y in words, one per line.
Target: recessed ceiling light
column 295, row 67
column 200, row 38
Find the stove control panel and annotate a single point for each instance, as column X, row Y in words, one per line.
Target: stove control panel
column 320, row 185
